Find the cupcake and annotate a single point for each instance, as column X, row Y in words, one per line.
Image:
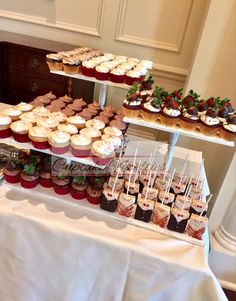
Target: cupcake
column 117, row 75
column 29, row 177
column 20, row 130
column 13, row 113
column 170, row 113
column 41, row 112
column 95, row 105
column 76, row 120
column 59, row 142
column 210, row 123
column 61, row 183
column 132, row 103
column 103, row 118
column 119, row 125
column 66, row 99
column 107, row 114
column 39, row 137
column 86, row 115
column 80, row 145
column 68, row 112
column 45, row 179
column 5, row 122
column 48, row 122
column 95, row 123
column 132, row 77
column 151, row 109
column 189, row 119
column 80, row 102
column 74, row 107
column 78, row 187
column 51, row 96
column 68, row 128
column 228, row 129
column 92, row 111
column 146, row 63
column 44, row 100
column 88, row 68
column 102, row 72
column 93, row 133
column 58, row 116
column 102, row 152
column 29, row 117
column 113, row 131
column 24, row 107
column 71, row 65
column 114, row 141
column 54, row 61
column 58, row 103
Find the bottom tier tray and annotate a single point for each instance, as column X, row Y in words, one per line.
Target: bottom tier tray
column 48, row 193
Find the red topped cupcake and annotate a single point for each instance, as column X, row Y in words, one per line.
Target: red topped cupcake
column 171, row 112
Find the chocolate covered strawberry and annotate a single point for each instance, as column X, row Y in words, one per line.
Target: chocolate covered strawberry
column 132, row 103
column 171, row 112
column 191, row 99
column 202, row 107
column 189, row 118
column 178, row 93
column 147, row 84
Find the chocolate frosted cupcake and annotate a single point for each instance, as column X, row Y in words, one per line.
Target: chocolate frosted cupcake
column 189, row 119
column 58, row 103
column 66, row 99
column 228, row 129
column 80, row 102
column 119, row 125
column 210, row 123
column 68, row 112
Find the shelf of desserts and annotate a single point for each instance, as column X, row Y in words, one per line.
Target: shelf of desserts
column 212, row 120
column 164, row 201
column 65, row 127
column 96, row 66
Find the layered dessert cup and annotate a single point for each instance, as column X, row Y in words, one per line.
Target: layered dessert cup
column 12, row 172
column 59, row 142
column 20, row 130
column 102, row 152
column 29, row 177
column 5, row 122
column 81, row 145
column 39, row 137
column 228, row 129
column 94, row 190
column 78, row 187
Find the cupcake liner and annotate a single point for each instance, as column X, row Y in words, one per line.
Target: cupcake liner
column 11, row 179
column 59, row 150
column 131, row 80
column 21, row 137
column 61, row 190
column 71, row 69
column 55, row 66
column 209, row 131
column 170, row 121
column 88, row 71
column 5, row 133
column 78, row 195
column 102, row 76
column 130, row 112
column 149, row 116
column 40, row 145
column 191, row 126
column 28, row 184
column 47, row 183
column 93, row 200
column 227, row 135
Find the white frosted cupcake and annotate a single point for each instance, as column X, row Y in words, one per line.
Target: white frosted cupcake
column 24, row 107
column 69, row 128
column 93, row 133
column 133, row 76
column 117, row 75
column 114, row 141
column 77, row 120
column 95, row 123
column 102, row 152
column 5, row 122
column 13, row 113
column 30, row 117
column 113, row 131
column 59, row 142
column 80, row 145
column 39, row 137
column 59, row 116
column 102, row 72
column 48, row 122
column 20, row 130
column 147, row 64
column 41, row 112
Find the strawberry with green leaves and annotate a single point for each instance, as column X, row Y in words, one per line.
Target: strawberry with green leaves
column 132, row 103
column 151, row 109
column 29, row 176
column 147, row 84
column 192, row 99
column 177, row 93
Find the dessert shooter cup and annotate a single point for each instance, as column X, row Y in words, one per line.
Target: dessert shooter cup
column 45, row 179
column 59, row 142
column 61, row 186
column 12, row 176
column 80, row 145
column 78, row 192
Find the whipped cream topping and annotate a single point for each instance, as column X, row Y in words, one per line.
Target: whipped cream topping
column 59, row 137
column 209, row 120
column 12, row 112
column 150, row 107
column 132, row 103
column 54, row 56
column 5, row 120
column 126, row 66
column 76, row 119
column 133, row 73
column 141, row 70
column 81, row 140
column 41, row 111
column 48, row 122
column 90, row 64
column 171, row 112
column 121, row 58
column 102, row 68
column 192, row 117
column 95, row 123
column 147, row 64
column 39, row 131
column 90, row 132
column 108, row 56
column 113, row 140
column 69, row 128
column 20, row 126
column 112, row 131
column 59, row 116
column 29, row 116
column 102, row 147
column 118, row 71
column 23, row 106
column 230, row 127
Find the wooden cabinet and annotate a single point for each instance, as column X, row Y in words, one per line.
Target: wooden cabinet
column 24, row 74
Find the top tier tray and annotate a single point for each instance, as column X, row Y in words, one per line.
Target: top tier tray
column 92, row 79
column 177, row 130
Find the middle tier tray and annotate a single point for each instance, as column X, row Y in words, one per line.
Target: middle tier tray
column 67, row 155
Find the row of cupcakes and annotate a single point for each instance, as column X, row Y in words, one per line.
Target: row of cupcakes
column 212, row 116
column 102, row 66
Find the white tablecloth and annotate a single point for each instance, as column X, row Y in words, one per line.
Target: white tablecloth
column 58, row 251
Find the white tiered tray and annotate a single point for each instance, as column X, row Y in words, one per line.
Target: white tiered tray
column 178, row 130
column 68, row 155
column 48, row 194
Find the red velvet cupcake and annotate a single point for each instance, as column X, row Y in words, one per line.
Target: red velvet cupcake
column 20, row 130
column 5, row 122
column 39, row 137
column 102, row 72
column 117, row 75
column 94, row 190
column 59, row 142
column 88, row 68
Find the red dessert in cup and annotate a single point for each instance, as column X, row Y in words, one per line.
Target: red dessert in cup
column 59, row 142
column 29, row 177
column 45, row 179
column 39, row 137
column 12, row 172
column 78, row 188
column 61, row 183
column 94, row 190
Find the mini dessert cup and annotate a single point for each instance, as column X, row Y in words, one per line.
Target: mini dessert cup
column 29, row 181
column 78, row 188
column 77, row 120
column 196, row 226
column 61, row 184
column 5, row 122
column 59, row 142
column 39, row 137
column 12, row 175
column 20, row 130
column 102, row 152
column 94, row 191
column 13, row 113
column 80, row 145
column 45, row 179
